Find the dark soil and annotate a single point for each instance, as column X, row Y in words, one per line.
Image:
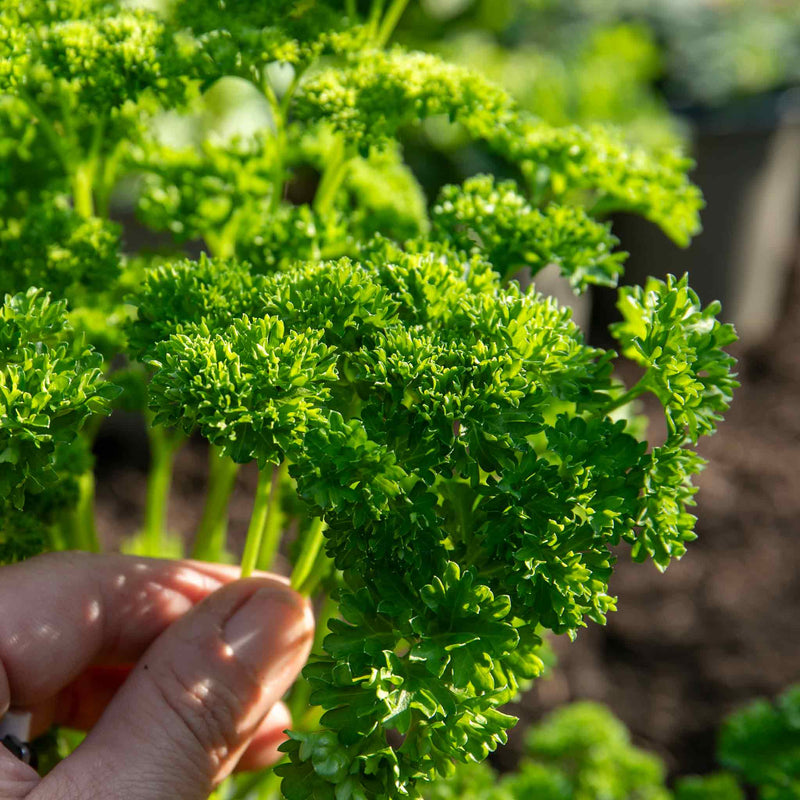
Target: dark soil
column 718, row 629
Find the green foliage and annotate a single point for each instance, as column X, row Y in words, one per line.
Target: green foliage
column 615, row 176
column 583, row 752
column 380, row 92
column 50, row 385
column 242, row 38
column 177, row 296
column 762, row 744
column 443, row 442
column 462, row 458
column 195, row 190
column 21, row 535
column 50, row 49
column 714, row 53
column 27, row 164
column 718, row 54
column 585, row 60
column 470, row 782
column 53, row 247
column 560, row 70
column 497, row 221
column 666, row 523
column 251, row 390
column 580, row 752
column 224, row 192
column 461, row 638
column 679, row 344
column 586, row 745
column 717, row 786
column 384, row 197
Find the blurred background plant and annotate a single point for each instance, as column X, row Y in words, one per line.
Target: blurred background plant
column 717, row 78
column 562, row 65
column 588, row 60
column 583, row 752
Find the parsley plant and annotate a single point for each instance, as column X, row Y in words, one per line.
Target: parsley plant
column 451, row 459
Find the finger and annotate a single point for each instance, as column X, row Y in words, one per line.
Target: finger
column 81, row 705
column 84, row 702
column 5, row 692
column 17, row 780
column 193, row 703
column 65, row 611
column 263, row 748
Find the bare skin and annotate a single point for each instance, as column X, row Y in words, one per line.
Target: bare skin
column 175, row 668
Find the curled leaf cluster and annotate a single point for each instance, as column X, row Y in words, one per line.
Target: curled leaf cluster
column 50, row 384
column 464, row 460
column 53, row 247
column 498, row 221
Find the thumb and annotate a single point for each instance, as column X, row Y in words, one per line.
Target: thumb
column 190, row 707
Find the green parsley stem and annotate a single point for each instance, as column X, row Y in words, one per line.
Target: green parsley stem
column 328, row 610
column 639, row 388
column 332, row 179
column 209, row 543
column 109, row 171
column 258, row 520
column 85, row 533
column 82, row 182
column 163, row 447
column 279, row 118
column 222, row 243
column 374, row 17
column 389, row 22
column 273, row 524
column 319, row 569
column 308, row 555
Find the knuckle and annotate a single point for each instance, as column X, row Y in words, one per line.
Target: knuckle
column 206, row 710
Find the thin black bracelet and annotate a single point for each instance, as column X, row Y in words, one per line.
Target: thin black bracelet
column 22, row 750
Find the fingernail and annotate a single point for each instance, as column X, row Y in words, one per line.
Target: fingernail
column 270, row 630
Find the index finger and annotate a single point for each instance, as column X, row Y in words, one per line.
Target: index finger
column 64, row 612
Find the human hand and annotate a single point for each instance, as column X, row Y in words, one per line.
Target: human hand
column 175, row 668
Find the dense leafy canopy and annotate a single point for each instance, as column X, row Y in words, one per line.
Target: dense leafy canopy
column 498, row 221
column 460, row 449
column 54, row 247
column 615, row 176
